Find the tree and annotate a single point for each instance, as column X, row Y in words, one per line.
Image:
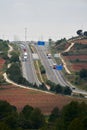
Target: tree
column 42, row 69
column 83, row 73
column 4, row 126
column 14, row 58
column 37, row 118
column 27, row 111
column 12, row 120
column 67, row 90
column 6, row 109
column 78, row 123
column 50, row 41
column 59, row 89
column 70, row 112
column 54, row 114
column 85, row 33
column 79, row 32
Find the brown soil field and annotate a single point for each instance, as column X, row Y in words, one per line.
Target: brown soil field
column 21, row 97
column 2, row 61
column 79, row 66
column 84, row 41
column 74, row 57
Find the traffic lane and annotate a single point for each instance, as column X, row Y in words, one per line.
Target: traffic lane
column 32, row 68
column 27, row 67
column 57, row 73
column 50, row 63
column 50, row 74
column 29, row 72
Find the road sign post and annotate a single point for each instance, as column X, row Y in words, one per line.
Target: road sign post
column 59, row 67
column 41, row 43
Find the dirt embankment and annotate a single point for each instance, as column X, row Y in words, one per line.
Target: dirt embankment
column 63, row 61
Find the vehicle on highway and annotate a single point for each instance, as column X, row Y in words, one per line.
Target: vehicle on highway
column 25, row 58
column 25, row 53
column 54, row 66
column 49, row 55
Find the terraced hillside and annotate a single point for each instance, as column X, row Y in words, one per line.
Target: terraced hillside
column 77, row 56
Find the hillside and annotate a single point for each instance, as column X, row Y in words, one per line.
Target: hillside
column 77, row 56
column 75, row 59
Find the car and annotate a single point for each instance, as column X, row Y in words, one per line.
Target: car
column 54, row 66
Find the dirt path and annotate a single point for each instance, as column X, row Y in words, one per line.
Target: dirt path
column 64, row 63
column 10, row 49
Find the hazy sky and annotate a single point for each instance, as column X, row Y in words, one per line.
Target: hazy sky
column 43, row 19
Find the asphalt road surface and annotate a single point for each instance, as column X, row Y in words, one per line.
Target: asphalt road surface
column 28, row 67
column 52, row 74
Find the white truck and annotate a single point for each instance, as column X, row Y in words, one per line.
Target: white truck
column 49, row 55
column 25, row 56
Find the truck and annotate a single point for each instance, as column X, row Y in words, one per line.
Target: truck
column 49, row 55
column 25, row 58
column 25, row 55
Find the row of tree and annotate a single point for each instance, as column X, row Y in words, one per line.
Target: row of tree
column 57, row 88
column 72, row 117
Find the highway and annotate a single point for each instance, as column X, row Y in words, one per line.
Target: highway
column 28, row 67
column 52, row 74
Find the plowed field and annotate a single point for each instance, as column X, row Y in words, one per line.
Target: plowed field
column 74, row 57
column 20, row 97
column 84, row 41
column 79, row 66
column 82, row 63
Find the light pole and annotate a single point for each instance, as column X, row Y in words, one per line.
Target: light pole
column 25, row 35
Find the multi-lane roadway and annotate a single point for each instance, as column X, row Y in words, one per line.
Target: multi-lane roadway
column 52, row 74
column 28, row 67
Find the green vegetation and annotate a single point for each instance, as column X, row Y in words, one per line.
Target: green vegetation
column 4, row 45
column 58, row 46
column 14, row 57
column 28, row 118
column 3, row 49
column 57, row 88
column 61, row 41
column 83, row 74
column 14, row 73
column 42, row 69
column 78, row 46
column 2, row 80
column 72, row 117
column 80, row 79
column 81, row 33
column 3, row 55
column 79, row 49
